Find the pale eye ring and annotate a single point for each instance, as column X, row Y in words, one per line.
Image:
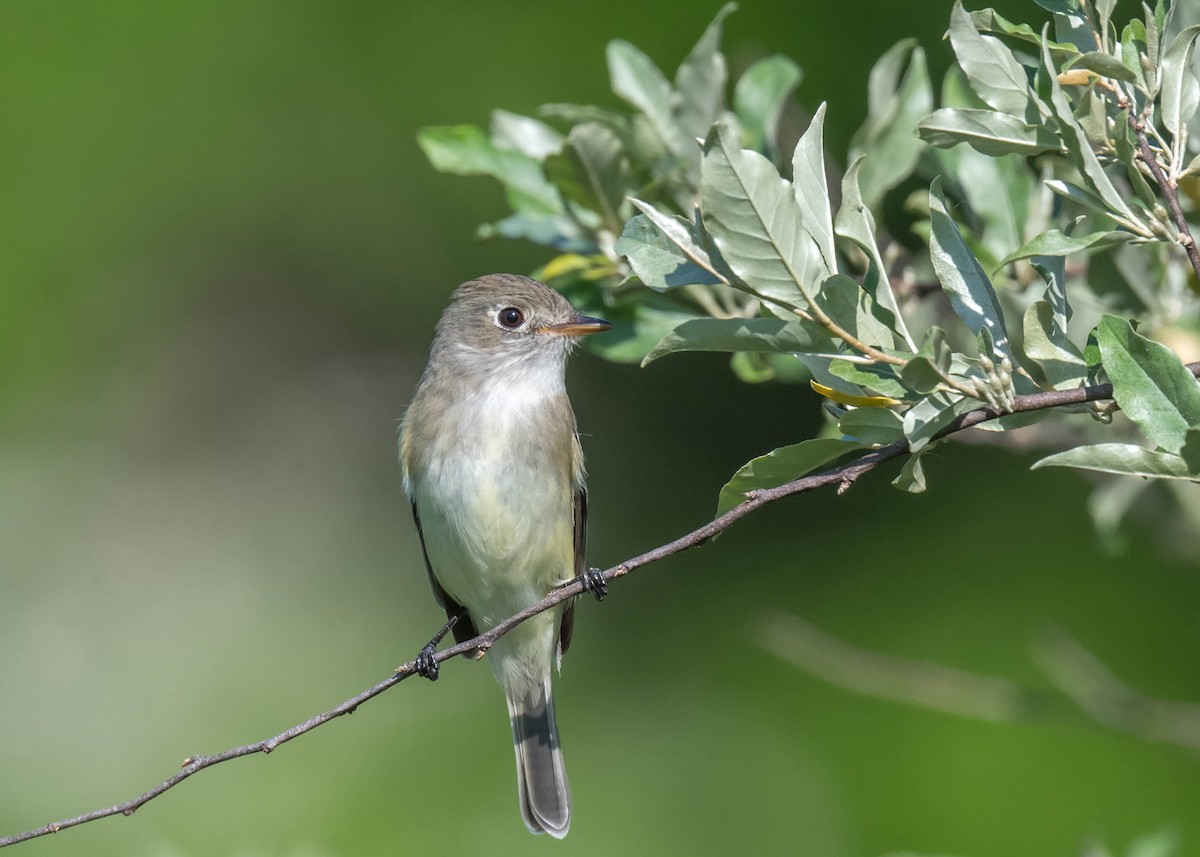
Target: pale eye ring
column 510, row 318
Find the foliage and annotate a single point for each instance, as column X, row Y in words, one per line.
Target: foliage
column 1051, row 245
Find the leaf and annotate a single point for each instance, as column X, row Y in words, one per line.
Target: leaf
column 854, row 401
column 895, row 105
column 465, row 150
column 1080, row 148
column 531, row 137
column 929, row 416
column 677, row 231
column 593, row 171
column 986, row 131
column 781, row 466
column 635, row 78
column 920, row 374
column 637, row 328
column 1180, row 90
column 1047, row 345
column 552, row 230
column 992, row 71
column 1123, row 458
column 1106, row 65
column 992, row 21
column 753, row 217
column 855, row 222
column 963, row 279
column 699, row 94
column 742, row 334
column 759, row 98
column 812, row 191
column 1149, row 383
column 872, row 425
column 850, row 306
column 912, row 474
column 880, row 377
column 657, row 260
column 1052, row 242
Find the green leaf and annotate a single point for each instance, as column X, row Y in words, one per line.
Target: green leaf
column 1123, row 458
column 1080, row 148
column 760, row 96
column 743, row 334
column 1149, row 383
column 531, row 137
column 812, row 192
column 850, row 306
column 1180, row 90
column 990, row 20
column 896, row 103
column 930, row 415
column 992, row 70
column 656, row 259
column 637, row 328
column 1106, row 65
column 700, row 81
column 879, row 377
column 920, row 374
column 635, row 78
column 963, row 279
column 872, row 425
column 1047, row 345
column 1052, row 242
column 679, row 233
column 465, row 150
column 753, row 217
column 855, row 222
column 781, row 466
column 593, row 171
column 986, row 131
column 912, row 474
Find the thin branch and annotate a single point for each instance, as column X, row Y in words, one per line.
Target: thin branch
column 842, row 476
column 1168, row 187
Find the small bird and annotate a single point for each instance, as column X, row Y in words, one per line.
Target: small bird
column 493, row 467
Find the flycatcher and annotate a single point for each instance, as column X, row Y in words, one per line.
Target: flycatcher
column 494, row 470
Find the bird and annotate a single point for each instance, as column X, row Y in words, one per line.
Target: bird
column 492, row 464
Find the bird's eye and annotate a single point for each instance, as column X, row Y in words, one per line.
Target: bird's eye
column 511, row 317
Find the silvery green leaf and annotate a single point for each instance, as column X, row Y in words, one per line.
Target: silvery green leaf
column 552, row 230
column 743, row 334
column 759, row 98
column 912, row 474
column 753, row 217
column 531, row 137
column 1061, row 7
column 930, row 415
column 812, row 191
column 881, row 378
column 989, row 20
column 850, row 306
column 465, row 150
column 1133, row 45
column 920, row 374
column 636, row 78
column 781, row 466
column 963, row 279
column 1072, row 26
column 1079, row 147
column 1128, row 157
column 1077, row 194
column 1106, row 65
column 1054, row 275
column 1047, row 345
column 986, row 131
column 855, row 222
column 896, row 102
column 992, row 71
column 700, row 81
column 872, row 425
column 679, row 233
column 1104, row 10
column 1180, row 90
column 1123, row 458
column 1052, row 242
column 656, row 259
column 593, row 171
column 637, row 328
column 1149, row 383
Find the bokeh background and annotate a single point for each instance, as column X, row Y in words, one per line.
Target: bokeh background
column 221, row 258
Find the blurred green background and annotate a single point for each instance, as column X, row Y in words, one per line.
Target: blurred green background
column 221, row 258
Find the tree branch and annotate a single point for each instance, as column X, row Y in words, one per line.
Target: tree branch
column 843, row 476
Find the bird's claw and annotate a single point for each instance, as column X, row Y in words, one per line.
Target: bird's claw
column 427, row 665
column 593, row 581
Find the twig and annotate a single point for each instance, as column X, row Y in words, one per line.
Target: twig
column 842, row 475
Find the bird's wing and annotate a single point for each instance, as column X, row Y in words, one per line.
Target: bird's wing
column 464, row 628
column 568, row 620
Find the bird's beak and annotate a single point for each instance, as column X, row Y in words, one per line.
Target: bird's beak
column 580, row 325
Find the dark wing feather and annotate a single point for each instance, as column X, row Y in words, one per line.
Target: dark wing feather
column 464, row 629
column 568, row 620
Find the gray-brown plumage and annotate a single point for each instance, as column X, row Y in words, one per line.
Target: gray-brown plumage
column 493, row 467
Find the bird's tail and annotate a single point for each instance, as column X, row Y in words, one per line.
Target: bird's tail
column 541, row 778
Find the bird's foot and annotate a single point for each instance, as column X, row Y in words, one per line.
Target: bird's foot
column 426, row 661
column 593, row 582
